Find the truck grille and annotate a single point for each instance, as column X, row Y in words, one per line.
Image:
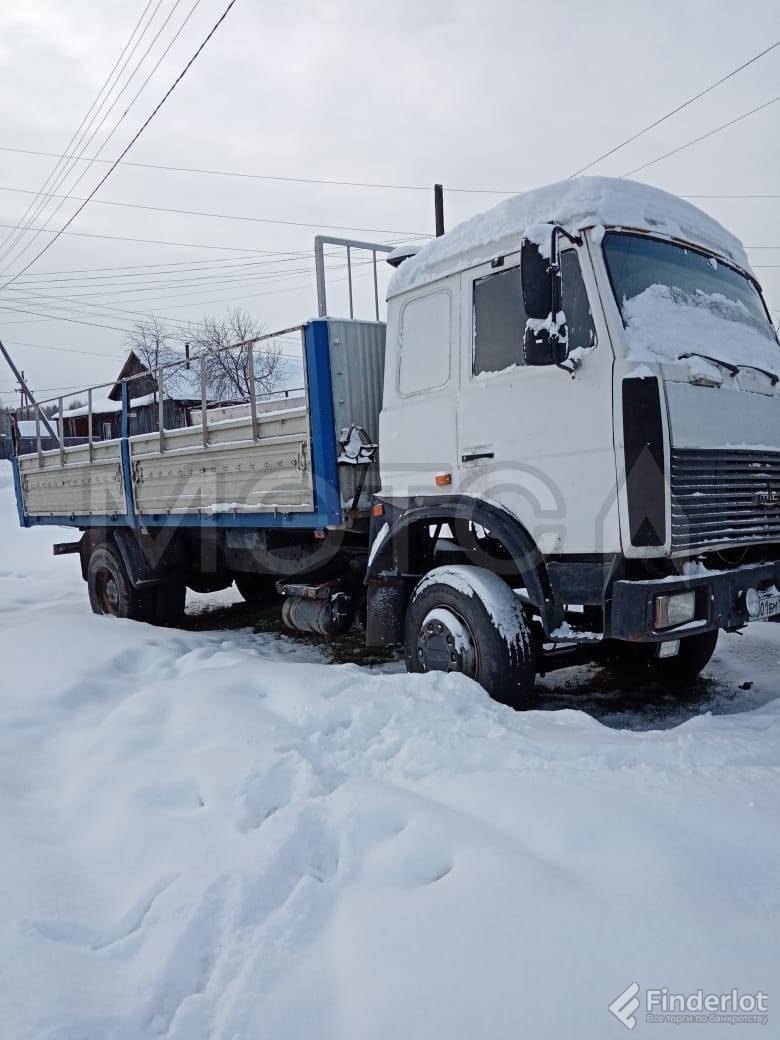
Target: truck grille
column 724, row 498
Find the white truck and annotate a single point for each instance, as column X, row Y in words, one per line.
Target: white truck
column 563, row 446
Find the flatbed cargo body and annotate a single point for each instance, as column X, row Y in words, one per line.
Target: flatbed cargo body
column 278, row 468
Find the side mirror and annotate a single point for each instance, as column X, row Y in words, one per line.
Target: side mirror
column 545, row 342
column 538, row 271
column 545, row 338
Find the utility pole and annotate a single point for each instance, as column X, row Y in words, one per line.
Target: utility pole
column 26, row 390
column 438, row 205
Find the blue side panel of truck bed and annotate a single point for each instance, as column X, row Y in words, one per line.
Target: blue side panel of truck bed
column 327, row 494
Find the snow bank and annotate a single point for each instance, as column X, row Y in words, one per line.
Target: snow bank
column 662, row 324
column 579, row 203
column 29, row 575
column 212, row 835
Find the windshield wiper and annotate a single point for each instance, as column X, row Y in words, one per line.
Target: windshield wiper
column 731, row 369
column 765, row 371
column 734, row 370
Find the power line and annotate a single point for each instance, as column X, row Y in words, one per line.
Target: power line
column 149, row 241
column 93, row 132
column 381, row 185
column 57, row 317
column 168, row 242
column 224, row 216
column 245, row 267
column 674, row 111
column 134, row 316
column 112, row 312
column 45, row 389
column 161, row 276
column 30, row 298
column 702, row 137
column 258, row 271
column 274, row 292
column 342, row 183
column 237, row 278
column 63, row 350
column 257, row 176
column 135, row 137
column 215, row 262
column 108, row 357
column 78, row 130
column 119, row 121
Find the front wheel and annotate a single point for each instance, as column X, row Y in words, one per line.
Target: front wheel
column 466, row 619
column 642, row 662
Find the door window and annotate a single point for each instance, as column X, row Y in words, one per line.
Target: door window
column 499, row 321
column 425, row 343
column 574, row 301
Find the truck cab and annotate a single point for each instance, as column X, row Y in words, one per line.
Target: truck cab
column 582, row 391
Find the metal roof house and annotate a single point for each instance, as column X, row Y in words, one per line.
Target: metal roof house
column 181, row 393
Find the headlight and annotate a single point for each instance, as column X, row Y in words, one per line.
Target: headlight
column 676, row 609
column 753, row 602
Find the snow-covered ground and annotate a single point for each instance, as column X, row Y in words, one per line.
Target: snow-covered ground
column 217, row 834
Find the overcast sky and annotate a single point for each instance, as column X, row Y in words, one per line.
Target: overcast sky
column 475, row 95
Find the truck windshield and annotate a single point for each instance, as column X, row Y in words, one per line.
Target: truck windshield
column 675, row 299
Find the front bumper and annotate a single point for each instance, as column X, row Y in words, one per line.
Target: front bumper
column 720, row 602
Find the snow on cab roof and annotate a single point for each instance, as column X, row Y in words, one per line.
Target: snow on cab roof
column 579, row 203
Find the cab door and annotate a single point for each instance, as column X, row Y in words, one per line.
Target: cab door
column 537, row 440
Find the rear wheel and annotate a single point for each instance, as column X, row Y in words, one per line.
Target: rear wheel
column 466, row 619
column 111, row 591
column 642, row 662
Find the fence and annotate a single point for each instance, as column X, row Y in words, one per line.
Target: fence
column 164, row 413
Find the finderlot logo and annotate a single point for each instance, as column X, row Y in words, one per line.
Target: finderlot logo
column 663, row 1006
column 624, row 1006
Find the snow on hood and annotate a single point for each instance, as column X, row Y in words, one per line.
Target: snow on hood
column 579, row 203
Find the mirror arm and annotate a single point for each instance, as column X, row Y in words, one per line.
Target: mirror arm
column 569, row 366
column 576, row 240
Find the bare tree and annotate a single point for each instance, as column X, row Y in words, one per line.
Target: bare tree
column 227, row 370
column 152, row 343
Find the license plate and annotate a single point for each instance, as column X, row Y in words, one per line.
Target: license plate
column 769, row 606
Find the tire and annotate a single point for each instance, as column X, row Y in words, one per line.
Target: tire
column 257, row 589
column 642, row 662
column 466, row 619
column 111, row 592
